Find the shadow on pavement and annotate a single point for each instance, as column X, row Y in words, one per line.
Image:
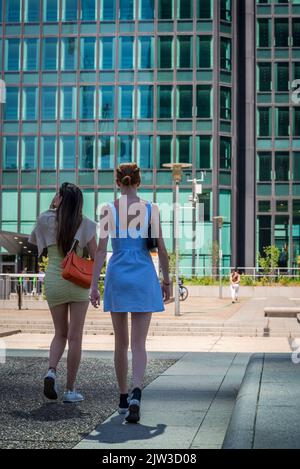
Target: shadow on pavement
column 118, row 431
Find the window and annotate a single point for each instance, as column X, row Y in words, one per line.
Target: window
column 185, row 9
column 145, row 102
column 31, row 54
column 264, row 232
column 204, row 101
column 204, row 9
column 11, row 109
column 49, row 103
column 296, row 32
column 164, row 98
column 296, row 121
column 282, row 76
column 29, row 152
column 13, row 10
column 264, row 166
column 226, row 10
column 164, row 150
column 296, row 70
column 145, row 151
column 11, row 145
column 165, row 9
column 86, row 152
column 12, row 55
column 204, row 152
column 146, row 45
column 126, row 102
column 67, row 152
column 165, row 52
column 282, row 121
column 88, row 61
column 48, row 152
column 184, row 149
column 296, row 167
column 30, row 100
column 50, row 10
column 264, row 77
column 68, row 102
column 69, row 53
column 185, row 52
column 185, row 101
column 108, row 10
column 146, row 9
column 50, row 54
column 225, row 59
column 126, row 52
column 282, row 206
column 225, row 153
column 32, row 11
column 225, row 102
column 87, row 102
column 88, row 10
column 106, row 152
column 264, row 206
column 282, row 166
column 107, row 53
column 263, row 32
column 281, row 32
column 204, row 55
column 106, row 102
column 126, row 10
column 69, row 10
column 264, row 121
column 125, row 149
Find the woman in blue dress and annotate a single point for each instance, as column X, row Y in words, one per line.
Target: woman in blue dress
column 131, row 282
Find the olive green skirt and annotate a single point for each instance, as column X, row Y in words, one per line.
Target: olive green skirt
column 58, row 290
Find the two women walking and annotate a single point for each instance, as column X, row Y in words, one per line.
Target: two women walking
column 131, row 282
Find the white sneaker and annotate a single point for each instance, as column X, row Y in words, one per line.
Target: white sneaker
column 72, row 396
column 50, row 390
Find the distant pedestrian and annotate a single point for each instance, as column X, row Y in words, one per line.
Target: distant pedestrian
column 131, row 282
column 235, row 279
column 57, row 229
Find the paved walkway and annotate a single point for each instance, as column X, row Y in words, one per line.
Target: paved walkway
column 188, row 406
column 267, row 410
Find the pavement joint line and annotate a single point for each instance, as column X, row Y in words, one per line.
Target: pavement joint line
column 257, row 401
column 214, row 398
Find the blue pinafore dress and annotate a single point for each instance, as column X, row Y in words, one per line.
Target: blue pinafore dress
column 131, row 283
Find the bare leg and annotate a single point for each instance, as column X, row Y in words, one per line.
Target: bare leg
column 78, row 311
column 60, row 319
column 120, row 325
column 140, row 323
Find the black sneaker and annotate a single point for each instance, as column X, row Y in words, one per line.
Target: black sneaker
column 123, row 405
column 133, row 413
column 50, row 390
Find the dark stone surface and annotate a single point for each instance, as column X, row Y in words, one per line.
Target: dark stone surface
column 28, row 420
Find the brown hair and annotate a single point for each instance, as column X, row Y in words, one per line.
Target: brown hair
column 68, row 215
column 129, row 174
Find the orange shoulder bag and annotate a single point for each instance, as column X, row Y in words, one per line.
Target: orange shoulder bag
column 77, row 269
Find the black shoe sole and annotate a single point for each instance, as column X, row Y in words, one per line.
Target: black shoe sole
column 134, row 414
column 49, row 390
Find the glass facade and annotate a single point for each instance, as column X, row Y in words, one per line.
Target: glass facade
column 278, row 144
column 94, row 83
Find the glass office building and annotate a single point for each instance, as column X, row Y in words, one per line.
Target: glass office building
column 93, row 83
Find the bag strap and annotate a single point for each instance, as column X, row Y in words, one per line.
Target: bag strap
column 73, row 246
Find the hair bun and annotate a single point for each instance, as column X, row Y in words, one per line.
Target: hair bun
column 126, row 180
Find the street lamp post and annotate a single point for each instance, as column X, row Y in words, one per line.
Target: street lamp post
column 177, row 175
column 220, row 225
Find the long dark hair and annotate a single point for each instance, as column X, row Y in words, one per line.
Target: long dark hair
column 68, row 216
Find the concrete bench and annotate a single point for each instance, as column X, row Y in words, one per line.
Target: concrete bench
column 282, row 311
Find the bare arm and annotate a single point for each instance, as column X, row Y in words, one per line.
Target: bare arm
column 162, row 253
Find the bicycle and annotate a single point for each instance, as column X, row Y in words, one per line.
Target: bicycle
column 183, row 291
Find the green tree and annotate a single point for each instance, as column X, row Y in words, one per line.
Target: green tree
column 268, row 261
